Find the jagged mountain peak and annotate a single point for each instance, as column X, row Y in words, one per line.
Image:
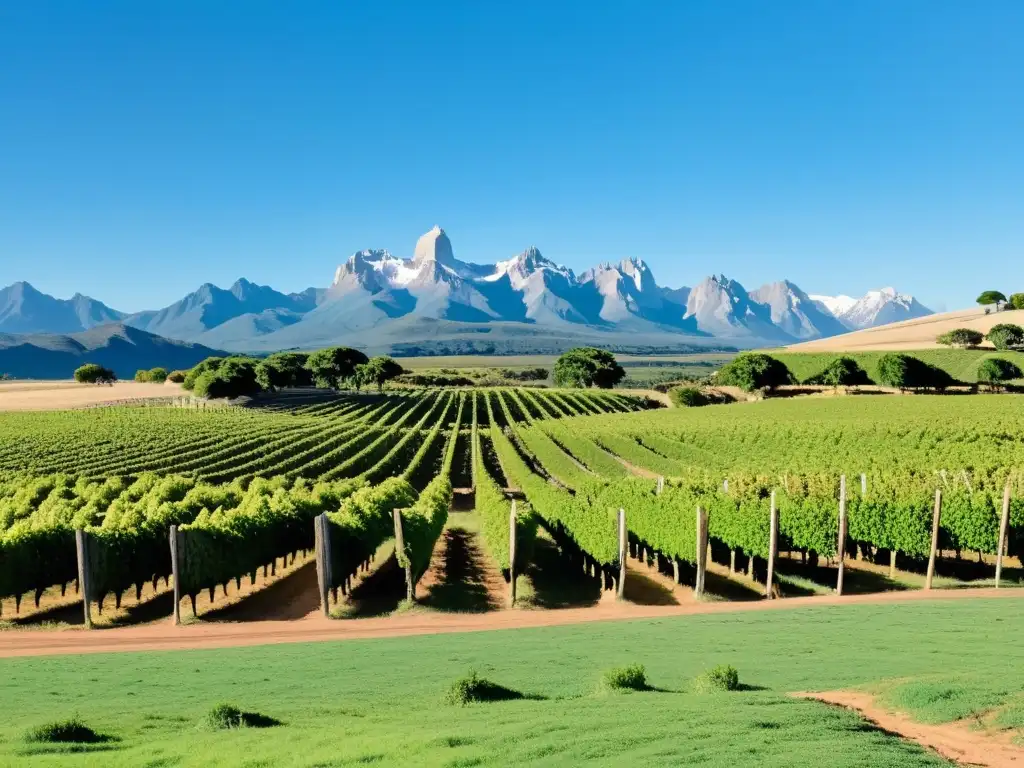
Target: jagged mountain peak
column 434, row 246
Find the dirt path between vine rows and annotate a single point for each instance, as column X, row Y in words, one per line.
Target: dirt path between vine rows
column 957, row 741
column 165, row 636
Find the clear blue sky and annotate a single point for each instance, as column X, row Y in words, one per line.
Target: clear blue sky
column 147, row 147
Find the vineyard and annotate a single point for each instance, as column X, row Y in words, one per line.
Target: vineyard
column 309, row 471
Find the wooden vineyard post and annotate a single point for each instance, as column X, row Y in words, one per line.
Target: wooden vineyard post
column 773, row 547
column 175, row 574
column 512, row 555
column 82, row 550
column 661, row 485
column 622, row 553
column 863, row 485
column 1004, row 523
column 322, row 545
column 935, row 538
column 400, row 553
column 702, row 551
column 841, row 544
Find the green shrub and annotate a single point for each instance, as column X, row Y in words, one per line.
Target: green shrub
column 90, row 373
column 176, row 377
column 331, row 368
column 153, row 375
column 632, row 678
column 841, row 372
column 752, row 370
column 226, row 716
column 474, row 689
column 1016, row 300
column 688, row 397
column 995, row 371
column 722, row 678
column 72, row 731
column 961, row 337
column 1006, row 336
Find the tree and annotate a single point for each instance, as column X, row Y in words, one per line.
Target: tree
column 176, row 377
column 588, row 367
column 841, row 372
column 1006, row 336
column 961, row 337
column 995, row 372
column 91, row 373
column 285, row 369
column 209, row 364
column 1016, row 300
column 896, row 369
column 234, row 377
column 753, row 370
column 991, row 297
column 377, row 370
column 330, row 368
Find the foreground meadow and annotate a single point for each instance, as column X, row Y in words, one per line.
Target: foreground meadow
column 380, row 702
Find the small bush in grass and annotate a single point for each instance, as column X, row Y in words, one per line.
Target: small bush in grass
column 72, row 731
column 473, row 688
column 227, row 716
column 721, row 678
column 632, row 678
column 688, row 397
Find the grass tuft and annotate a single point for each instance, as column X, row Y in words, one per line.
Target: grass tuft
column 72, row 731
column 473, row 689
column 631, row 678
column 722, row 678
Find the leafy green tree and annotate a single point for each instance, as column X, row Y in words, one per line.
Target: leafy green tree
column 377, row 370
column 209, row 364
column 841, row 372
column 991, row 297
column 234, row 377
column 995, row 372
column 896, row 369
column 91, row 373
column 961, row 337
column 588, row 367
column 331, row 368
column 285, row 369
column 1016, row 300
column 158, row 375
column 751, row 371
column 176, row 377
column 1006, row 336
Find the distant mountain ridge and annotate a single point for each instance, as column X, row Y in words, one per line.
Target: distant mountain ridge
column 382, row 302
column 115, row 345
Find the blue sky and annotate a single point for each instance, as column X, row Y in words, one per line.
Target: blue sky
column 146, row 148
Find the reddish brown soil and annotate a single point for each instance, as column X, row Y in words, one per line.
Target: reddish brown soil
column 165, row 636
column 958, row 741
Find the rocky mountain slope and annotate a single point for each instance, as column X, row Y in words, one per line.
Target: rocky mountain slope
column 380, row 301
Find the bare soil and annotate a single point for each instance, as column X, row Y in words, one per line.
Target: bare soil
column 56, row 395
column 958, row 741
column 911, row 334
column 164, row 635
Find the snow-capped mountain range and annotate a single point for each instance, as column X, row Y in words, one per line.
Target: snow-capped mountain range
column 381, row 301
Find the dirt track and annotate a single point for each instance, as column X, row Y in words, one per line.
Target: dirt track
column 165, row 636
column 957, row 741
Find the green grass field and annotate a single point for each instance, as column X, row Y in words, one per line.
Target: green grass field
column 961, row 364
column 379, row 702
